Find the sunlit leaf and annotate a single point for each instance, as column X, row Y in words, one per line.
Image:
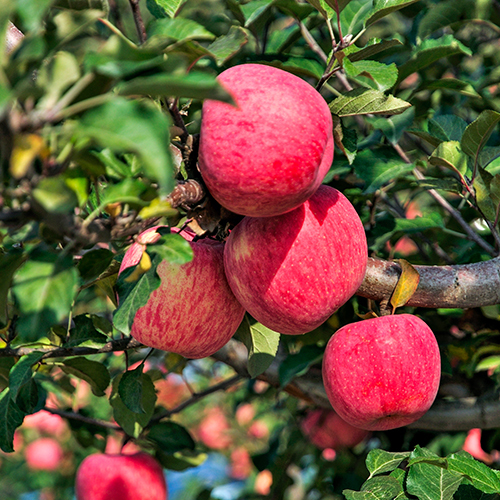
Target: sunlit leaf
column 381, row 461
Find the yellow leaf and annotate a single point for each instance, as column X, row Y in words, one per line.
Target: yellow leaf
column 143, row 267
column 157, row 208
column 406, row 286
column 26, row 148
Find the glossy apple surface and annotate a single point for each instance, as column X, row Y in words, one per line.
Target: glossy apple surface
column 293, row 271
column 120, row 477
column 382, row 373
column 325, row 429
column 193, row 312
column 270, row 153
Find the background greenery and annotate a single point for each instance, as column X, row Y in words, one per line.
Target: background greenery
column 90, row 100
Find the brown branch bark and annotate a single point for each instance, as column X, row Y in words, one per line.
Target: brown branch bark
column 461, row 286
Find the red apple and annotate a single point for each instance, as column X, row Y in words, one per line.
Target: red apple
column 472, row 445
column 268, row 154
column 325, row 429
column 43, row 454
column 120, row 477
column 193, row 312
column 46, row 422
column 241, row 464
column 293, row 271
column 382, row 373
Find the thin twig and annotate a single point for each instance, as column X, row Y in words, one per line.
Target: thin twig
column 198, row 396
column 139, row 21
column 82, row 418
column 311, row 41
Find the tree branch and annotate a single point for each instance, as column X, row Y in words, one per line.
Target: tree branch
column 461, row 286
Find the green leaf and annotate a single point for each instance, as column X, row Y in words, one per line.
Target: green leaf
column 372, row 74
column 480, row 475
column 382, row 8
column 181, row 460
column 377, row 168
column 226, row 46
column 453, row 84
column 9, row 264
column 376, row 488
column 354, row 16
column 93, row 372
column 478, row 132
column 32, row 13
column 173, row 248
column 365, row 101
column 44, row 289
column 447, row 127
column 171, row 437
column 130, row 389
column 444, row 13
column 262, row 344
column 84, row 333
column 166, row 7
column 481, row 185
column 22, row 372
column 55, row 196
column 195, row 85
column 132, row 126
column 418, row 224
column 125, row 191
column 394, row 126
column 373, row 47
column 56, row 76
column 255, row 11
column 180, row 29
column 380, row 461
column 295, row 365
column 430, row 482
column 131, row 422
column 94, row 263
column 345, row 139
column 430, row 51
column 449, row 155
column 11, row 417
column 31, row 397
column 134, row 295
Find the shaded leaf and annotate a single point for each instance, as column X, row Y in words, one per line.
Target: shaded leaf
column 11, row 417
column 94, row 263
column 450, row 155
column 93, row 372
column 22, row 372
column 164, row 7
column 9, row 264
column 372, row 74
column 431, row 51
column 181, row 460
column 393, row 127
column 85, row 333
column 478, row 132
column 429, row 482
column 295, row 365
column 180, row 29
column 481, row 185
column 453, row 84
column 133, row 423
column 171, row 437
column 130, row 389
column 228, row 45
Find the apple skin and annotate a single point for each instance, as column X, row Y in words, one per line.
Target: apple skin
column 325, row 429
column 270, row 153
column 120, row 477
column 193, row 312
column 382, row 373
column 293, row 271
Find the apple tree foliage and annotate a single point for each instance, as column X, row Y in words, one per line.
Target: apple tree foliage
column 99, row 112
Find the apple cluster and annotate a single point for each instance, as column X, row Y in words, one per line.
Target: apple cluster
column 297, row 255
